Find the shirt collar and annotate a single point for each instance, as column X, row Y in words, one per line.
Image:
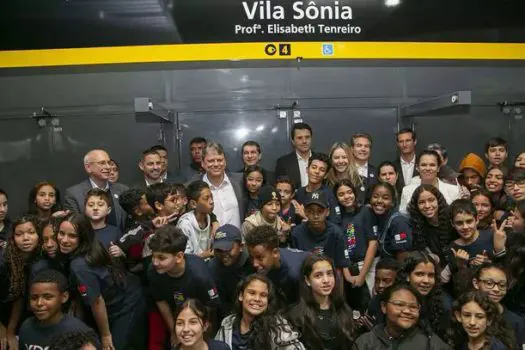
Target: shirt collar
column 94, row 185
column 225, row 181
column 149, row 184
column 301, row 158
column 413, row 161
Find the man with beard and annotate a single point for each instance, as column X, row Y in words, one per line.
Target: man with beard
column 151, row 165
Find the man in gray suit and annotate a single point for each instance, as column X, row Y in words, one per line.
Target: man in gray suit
column 97, row 166
column 225, row 187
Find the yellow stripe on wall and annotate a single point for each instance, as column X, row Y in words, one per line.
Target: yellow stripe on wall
column 256, row 51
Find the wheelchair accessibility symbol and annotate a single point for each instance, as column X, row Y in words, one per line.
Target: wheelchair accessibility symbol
column 328, row 49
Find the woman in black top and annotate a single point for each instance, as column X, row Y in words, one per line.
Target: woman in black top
column 23, row 246
column 322, row 315
column 253, row 181
column 431, row 226
column 113, row 295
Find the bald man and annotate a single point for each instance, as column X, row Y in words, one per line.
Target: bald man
column 98, row 168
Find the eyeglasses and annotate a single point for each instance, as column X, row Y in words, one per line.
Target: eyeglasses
column 102, row 162
column 512, row 183
column 402, row 305
column 502, row 285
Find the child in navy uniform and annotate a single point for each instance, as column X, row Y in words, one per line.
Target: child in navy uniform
column 229, row 265
column 319, row 236
column 98, row 207
column 281, row 265
column 318, row 166
column 47, row 294
column 112, row 294
column 175, row 277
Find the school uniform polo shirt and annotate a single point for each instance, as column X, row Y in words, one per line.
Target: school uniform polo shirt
column 333, row 205
column 196, row 282
column 35, row 336
column 286, row 278
column 358, row 233
column 92, row 282
column 330, row 242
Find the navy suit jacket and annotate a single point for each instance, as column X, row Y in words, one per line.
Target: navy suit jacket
column 288, row 165
column 75, row 198
column 363, row 193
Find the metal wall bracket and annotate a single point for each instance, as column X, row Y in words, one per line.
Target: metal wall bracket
column 449, row 103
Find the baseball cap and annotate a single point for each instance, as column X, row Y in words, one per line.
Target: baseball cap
column 225, row 236
column 316, row 197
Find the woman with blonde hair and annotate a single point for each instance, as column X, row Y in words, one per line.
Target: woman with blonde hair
column 343, row 166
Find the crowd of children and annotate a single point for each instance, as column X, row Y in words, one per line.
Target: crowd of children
column 342, row 262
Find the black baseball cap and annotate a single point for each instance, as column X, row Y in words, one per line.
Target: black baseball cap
column 225, row 236
column 316, row 197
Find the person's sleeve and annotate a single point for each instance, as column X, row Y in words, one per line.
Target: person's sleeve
column 335, row 210
column 70, row 202
column 400, row 235
column 86, row 282
column 294, row 241
column 342, row 256
column 155, row 287
column 208, row 292
column 189, row 232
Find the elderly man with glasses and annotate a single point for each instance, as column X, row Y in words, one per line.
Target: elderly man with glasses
column 97, row 165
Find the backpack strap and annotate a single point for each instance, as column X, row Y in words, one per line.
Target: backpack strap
column 382, row 236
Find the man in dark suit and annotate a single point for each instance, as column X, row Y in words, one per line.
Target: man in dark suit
column 226, row 187
column 294, row 164
column 406, row 163
column 194, row 170
column 361, row 146
column 97, row 166
column 251, row 155
column 151, row 165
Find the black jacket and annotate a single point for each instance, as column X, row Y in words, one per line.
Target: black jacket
column 415, row 339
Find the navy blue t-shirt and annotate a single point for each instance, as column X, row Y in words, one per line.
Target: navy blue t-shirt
column 286, row 278
column 108, row 234
column 517, row 324
column 331, row 242
column 34, row 335
column 214, row 345
column 196, row 282
column 358, row 231
column 335, row 212
column 397, row 236
column 92, row 282
column 483, row 243
column 227, row 277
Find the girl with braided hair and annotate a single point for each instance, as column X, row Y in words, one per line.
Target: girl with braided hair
column 431, row 226
column 422, row 272
column 23, row 246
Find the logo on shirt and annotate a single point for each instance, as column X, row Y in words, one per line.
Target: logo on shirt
column 82, row 289
column 212, row 293
column 337, row 210
column 401, row 238
column 350, row 236
column 375, row 230
column 179, row 298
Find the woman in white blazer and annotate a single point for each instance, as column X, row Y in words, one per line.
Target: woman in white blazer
column 428, row 163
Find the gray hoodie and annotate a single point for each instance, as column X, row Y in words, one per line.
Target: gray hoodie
column 287, row 339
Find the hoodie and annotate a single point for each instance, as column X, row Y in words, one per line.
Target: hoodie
column 415, row 338
column 287, row 339
column 199, row 239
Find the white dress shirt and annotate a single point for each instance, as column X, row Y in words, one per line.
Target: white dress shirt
column 449, row 192
column 94, row 185
column 363, row 170
column 225, row 207
column 303, row 165
column 408, row 169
